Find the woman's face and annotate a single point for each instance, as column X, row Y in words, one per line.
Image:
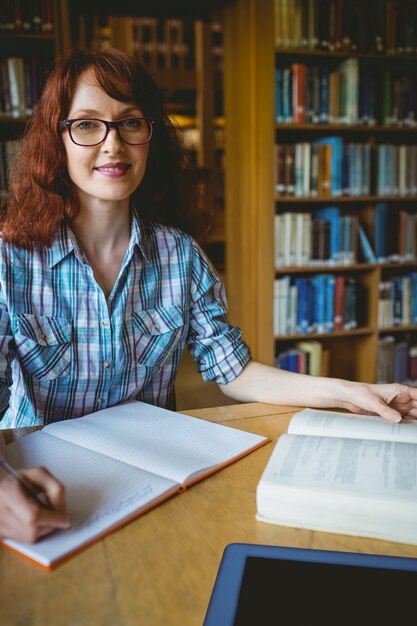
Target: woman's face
column 112, row 170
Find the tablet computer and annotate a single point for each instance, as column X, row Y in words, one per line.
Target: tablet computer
column 259, row 585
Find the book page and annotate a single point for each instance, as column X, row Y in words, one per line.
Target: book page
column 101, row 492
column 352, row 425
column 179, row 447
column 350, row 486
column 377, row 468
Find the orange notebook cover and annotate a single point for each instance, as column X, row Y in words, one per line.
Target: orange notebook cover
column 119, row 463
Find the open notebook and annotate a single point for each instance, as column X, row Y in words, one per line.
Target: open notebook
column 120, row 462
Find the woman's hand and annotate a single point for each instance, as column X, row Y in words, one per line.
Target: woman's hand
column 21, row 518
column 391, row 401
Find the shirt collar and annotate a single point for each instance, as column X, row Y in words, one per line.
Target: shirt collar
column 65, row 241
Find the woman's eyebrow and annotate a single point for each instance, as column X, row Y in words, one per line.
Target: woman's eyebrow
column 94, row 113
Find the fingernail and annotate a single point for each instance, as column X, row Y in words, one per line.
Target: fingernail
column 395, row 418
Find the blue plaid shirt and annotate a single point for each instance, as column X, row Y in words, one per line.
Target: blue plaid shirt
column 66, row 351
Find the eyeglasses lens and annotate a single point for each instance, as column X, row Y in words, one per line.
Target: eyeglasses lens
column 91, row 132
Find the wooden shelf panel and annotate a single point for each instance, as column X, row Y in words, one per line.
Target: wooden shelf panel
column 339, row 55
column 342, row 199
column 319, row 269
column 398, row 329
column 363, row 330
column 366, row 129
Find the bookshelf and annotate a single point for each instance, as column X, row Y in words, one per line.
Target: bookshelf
column 32, row 34
column 182, row 46
column 355, row 351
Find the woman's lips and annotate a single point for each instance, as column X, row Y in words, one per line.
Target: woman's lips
column 113, row 170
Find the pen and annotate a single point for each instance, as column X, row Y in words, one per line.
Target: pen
column 29, row 489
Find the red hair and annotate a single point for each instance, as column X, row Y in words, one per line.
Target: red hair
column 41, row 192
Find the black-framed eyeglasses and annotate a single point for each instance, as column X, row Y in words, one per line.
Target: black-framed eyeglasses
column 89, row 131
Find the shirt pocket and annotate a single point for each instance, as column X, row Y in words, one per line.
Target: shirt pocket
column 156, row 334
column 43, row 345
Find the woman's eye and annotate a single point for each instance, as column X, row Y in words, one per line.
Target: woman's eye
column 85, row 125
column 132, row 123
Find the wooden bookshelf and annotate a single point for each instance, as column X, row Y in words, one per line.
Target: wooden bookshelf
column 28, row 44
column 251, row 56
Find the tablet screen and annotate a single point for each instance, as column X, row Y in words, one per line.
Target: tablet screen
column 322, row 592
column 258, row 585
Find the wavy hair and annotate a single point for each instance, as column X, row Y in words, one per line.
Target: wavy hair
column 41, row 192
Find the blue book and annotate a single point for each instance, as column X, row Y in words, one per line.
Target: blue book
column 287, row 95
column 292, row 363
column 311, row 324
column 367, row 252
column 329, row 303
column 302, row 306
column 319, row 283
column 413, row 276
column 332, row 214
column 279, row 87
column 336, row 144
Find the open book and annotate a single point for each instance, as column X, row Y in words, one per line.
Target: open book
column 120, row 462
column 343, row 473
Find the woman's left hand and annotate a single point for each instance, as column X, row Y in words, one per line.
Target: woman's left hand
column 392, row 401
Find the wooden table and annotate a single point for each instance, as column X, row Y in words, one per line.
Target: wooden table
column 160, row 569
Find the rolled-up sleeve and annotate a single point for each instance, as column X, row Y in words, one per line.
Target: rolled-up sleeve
column 216, row 346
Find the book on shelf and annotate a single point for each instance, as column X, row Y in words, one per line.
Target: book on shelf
column 118, row 463
column 397, row 301
column 306, row 357
column 26, row 16
column 343, row 473
column 370, row 26
column 329, row 167
column 322, row 303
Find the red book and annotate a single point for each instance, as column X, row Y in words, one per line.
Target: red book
column 299, row 92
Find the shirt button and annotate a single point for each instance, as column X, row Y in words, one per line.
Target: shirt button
column 106, row 364
column 104, row 323
column 42, row 338
column 99, row 400
column 157, row 327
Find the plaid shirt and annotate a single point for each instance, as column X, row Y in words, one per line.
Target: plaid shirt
column 66, row 351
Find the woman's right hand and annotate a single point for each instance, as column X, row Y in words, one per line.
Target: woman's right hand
column 21, row 517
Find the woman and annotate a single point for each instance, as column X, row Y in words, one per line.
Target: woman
column 101, row 287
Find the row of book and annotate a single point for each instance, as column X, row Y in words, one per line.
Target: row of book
column 8, row 150
column 305, row 357
column 20, row 81
column 323, row 238
column 26, row 16
column 330, row 167
column 161, row 43
column 397, row 301
column 392, row 233
column 323, row 303
column 375, row 26
column 327, row 237
column 396, row 170
column 327, row 167
column 348, row 94
column 397, row 360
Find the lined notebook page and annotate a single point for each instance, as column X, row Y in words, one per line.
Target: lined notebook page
column 163, row 442
column 100, row 491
